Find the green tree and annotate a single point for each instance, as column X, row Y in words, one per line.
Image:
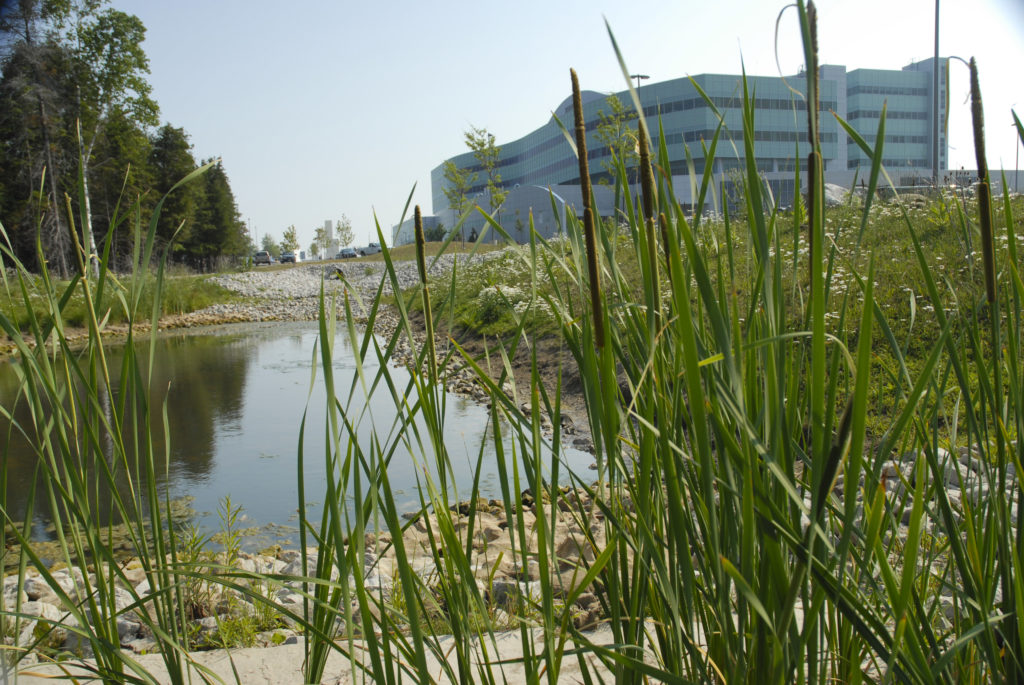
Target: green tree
column 343, row 229
column 456, row 186
column 314, row 249
column 219, row 232
column 271, row 246
column 34, row 95
column 122, row 176
column 290, row 241
column 322, row 240
column 73, row 97
column 481, row 142
column 435, row 233
column 109, row 67
column 616, row 133
column 170, row 160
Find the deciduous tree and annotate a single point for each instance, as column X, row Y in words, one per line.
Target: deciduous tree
column 343, row 229
column 271, row 246
column 617, row 134
column 290, row 240
column 109, row 67
column 481, row 142
column 457, row 183
column 322, row 240
column 73, row 95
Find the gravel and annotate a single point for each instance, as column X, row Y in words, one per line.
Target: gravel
column 303, row 281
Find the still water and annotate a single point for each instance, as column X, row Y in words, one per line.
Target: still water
column 236, row 396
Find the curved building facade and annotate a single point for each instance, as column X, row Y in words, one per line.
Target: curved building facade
column 545, row 158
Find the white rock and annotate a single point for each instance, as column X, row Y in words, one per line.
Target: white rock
column 975, row 493
column 128, row 629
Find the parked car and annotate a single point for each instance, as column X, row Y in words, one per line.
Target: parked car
column 372, row 248
column 262, row 257
column 287, row 257
column 346, row 253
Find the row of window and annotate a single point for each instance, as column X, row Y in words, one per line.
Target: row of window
column 871, row 137
column 892, row 163
column 759, row 135
column 687, row 104
column 891, row 114
column 723, row 103
column 680, row 167
column 885, row 90
column 706, row 135
column 786, row 104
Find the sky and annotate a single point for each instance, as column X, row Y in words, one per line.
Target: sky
column 320, row 108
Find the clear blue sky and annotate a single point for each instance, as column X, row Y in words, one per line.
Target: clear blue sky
column 321, row 107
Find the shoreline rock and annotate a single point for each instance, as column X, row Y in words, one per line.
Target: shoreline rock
column 501, row 575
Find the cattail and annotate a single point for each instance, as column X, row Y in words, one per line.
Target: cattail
column 984, row 192
column 646, row 173
column 812, row 74
column 647, row 187
column 428, row 319
column 589, row 232
column 663, row 220
column 813, row 156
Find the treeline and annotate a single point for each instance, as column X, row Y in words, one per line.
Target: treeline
column 77, row 114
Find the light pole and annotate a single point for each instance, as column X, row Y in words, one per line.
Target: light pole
column 639, row 77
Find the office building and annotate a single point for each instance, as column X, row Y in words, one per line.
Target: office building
column 543, row 159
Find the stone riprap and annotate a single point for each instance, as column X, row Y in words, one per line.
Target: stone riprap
column 294, row 295
column 498, row 571
column 501, row 577
column 302, row 282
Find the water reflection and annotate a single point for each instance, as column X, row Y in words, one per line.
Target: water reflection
column 236, row 396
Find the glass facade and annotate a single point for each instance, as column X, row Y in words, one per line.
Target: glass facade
column 690, row 111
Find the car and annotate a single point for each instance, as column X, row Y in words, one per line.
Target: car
column 372, row 248
column 346, row 253
column 287, row 257
column 262, row 257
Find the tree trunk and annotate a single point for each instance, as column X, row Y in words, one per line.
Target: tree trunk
column 58, row 239
column 88, row 241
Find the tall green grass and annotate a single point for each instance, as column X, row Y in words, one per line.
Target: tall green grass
column 89, row 433
column 746, row 524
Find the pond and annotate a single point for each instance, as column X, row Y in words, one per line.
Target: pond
column 236, row 396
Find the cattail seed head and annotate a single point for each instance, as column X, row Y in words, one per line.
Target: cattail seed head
column 984, row 191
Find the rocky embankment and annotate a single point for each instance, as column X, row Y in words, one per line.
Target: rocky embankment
column 499, row 572
column 294, row 295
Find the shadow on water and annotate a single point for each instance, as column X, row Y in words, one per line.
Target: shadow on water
column 235, row 400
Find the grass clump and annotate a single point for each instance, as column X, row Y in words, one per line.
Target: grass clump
column 180, row 295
